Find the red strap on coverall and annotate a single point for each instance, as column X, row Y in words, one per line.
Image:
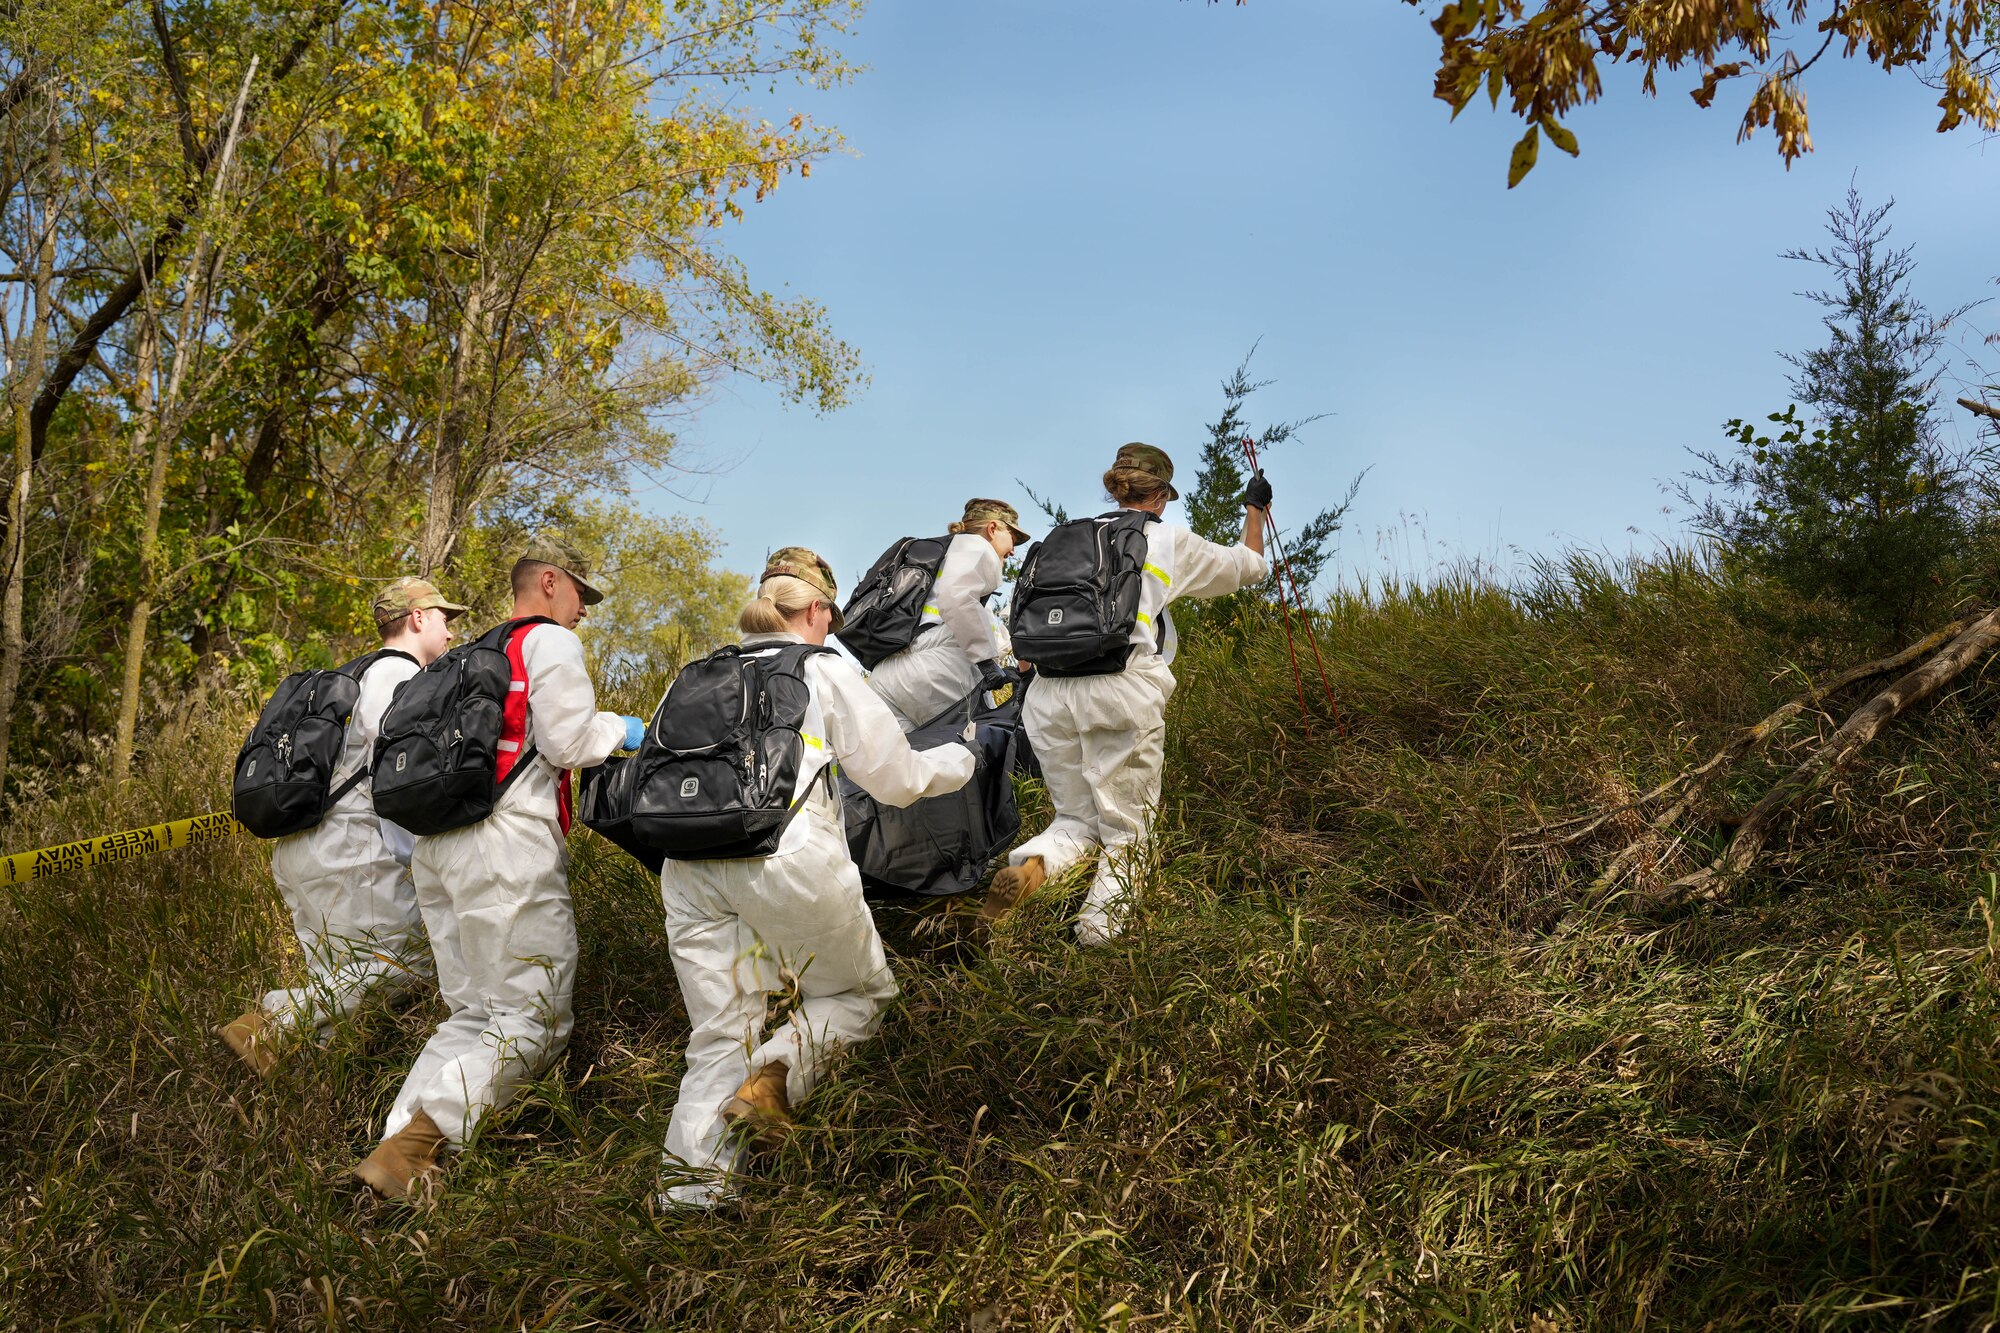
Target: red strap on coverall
column 514, row 726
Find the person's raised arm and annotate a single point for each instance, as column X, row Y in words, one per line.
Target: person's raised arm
column 1206, row 569
column 1256, row 511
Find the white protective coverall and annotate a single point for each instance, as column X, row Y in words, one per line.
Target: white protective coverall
column 958, row 632
column 740, row 930
column 495, row 898
column 1101, row 740
column 347, row 883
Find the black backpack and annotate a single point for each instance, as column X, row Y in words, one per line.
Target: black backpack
column 437, row 759
column 604, row 806
column 713, row 779
column 1077, row 601
column 284, row 772
column 882, row 616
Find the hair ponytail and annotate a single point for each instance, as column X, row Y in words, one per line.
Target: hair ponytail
column 761, row 616
column 1134, row 486
column 779, row 598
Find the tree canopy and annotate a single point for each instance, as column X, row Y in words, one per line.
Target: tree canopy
column 1865, row 505
column 1547, row 57
column 304, row 296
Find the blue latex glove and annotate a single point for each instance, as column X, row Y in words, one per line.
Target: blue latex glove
column 635, row 731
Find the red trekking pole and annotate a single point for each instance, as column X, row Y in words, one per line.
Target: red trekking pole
column 1285, row 578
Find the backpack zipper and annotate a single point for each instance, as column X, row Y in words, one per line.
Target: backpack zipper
column 1104, row 591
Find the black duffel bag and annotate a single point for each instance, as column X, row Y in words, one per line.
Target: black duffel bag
column 942, row 845
column 604, row 806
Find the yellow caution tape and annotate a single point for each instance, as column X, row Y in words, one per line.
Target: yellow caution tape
column 126, row 846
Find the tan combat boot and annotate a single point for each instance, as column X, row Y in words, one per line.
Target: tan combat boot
column 1011, row 886
column 402, row 1159
column 255, row 1039
column 762, row 1108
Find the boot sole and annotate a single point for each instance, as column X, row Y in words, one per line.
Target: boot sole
column 380, row 1180
column 262, row 1060
column 1010, row 888
column 766, row 1130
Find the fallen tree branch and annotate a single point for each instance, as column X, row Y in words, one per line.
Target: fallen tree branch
column 1862, row 726
column 1744, row 741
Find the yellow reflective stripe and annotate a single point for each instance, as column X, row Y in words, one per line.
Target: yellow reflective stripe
column 1145, row 620
column 1159, row 574
column 932, row 611
column 833, row 765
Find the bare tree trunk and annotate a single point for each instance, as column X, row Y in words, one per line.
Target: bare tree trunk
column 13, row 607
column 149, row 432
column 1861, row 727
column 163, row 427
column 442, row 519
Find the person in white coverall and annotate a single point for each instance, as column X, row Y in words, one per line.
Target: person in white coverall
column 347, row 880
column 1102, row 739
column 793, row 921
column 495, row 894
column 960, row 642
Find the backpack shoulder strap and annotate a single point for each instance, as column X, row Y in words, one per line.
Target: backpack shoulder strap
column 794, row 656
column 333, row 797
column 790, row 658
column 359, row 666
column 503, row 633
column 356, row 670
column 512, row 758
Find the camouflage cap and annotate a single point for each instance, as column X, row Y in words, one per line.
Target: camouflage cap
column 405, row 595
column 978, row 513
column 545, row 548
column 1147, row 459
column 807, row 566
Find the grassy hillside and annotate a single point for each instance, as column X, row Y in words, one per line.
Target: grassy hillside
column 1353, row 1068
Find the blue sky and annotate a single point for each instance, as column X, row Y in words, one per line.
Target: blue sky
column 1060, row 225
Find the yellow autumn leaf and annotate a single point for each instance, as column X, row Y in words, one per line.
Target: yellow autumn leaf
column 1522, row 160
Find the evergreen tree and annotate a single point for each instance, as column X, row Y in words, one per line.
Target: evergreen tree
column 1215, row 501
column 1863, row 504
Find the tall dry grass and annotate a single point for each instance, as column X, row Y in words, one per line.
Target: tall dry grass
column 1349, row 1069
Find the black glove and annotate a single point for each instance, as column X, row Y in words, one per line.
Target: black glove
column 994, row 678
column 1257, row 495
